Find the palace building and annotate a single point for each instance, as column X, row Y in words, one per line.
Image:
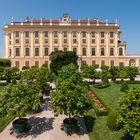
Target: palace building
column 29, row 43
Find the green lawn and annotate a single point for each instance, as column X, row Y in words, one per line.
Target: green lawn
column 110, row 95
column 4, row 121
column 96, row 125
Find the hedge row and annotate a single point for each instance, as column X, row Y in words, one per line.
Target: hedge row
column 98, row 106
column 3, row 84
column 128, row 82
column 101, row 85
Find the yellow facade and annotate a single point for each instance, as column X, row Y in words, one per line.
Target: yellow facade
column 31, row 42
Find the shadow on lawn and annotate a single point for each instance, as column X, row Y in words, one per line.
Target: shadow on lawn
column 38, row 126
column 89, row 122
column 126, row 137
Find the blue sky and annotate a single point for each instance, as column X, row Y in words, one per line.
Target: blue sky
column 127, row 13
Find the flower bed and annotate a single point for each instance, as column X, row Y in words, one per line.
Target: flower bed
column 98, row 106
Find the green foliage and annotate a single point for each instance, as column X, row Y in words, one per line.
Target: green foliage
column 132, row 72
column 59, row 59
column 123, row 74
column 5, row 62
column 112, row 120
column 25, row 67
column 114, row 71
column 124, row 87
column 19, row 99
column 88, row 71
column 105, row 80
column 130, row 113
column 105, row 68
column 102, row 85
column 70, row 97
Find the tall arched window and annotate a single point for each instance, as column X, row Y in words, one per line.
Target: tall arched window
column 120, row 51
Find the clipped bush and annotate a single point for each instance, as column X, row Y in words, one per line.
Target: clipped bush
column 112, row 120
column 124, row 87
column 14, row 82
column 101, row 85
column 105, row 80
column 25, row 67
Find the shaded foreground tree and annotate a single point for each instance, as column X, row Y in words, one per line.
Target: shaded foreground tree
column 129, row 118
column 70, row 97
column 60, row 58
column 19, row 100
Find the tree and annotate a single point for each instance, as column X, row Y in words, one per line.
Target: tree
column 70, row 97
column 129, row 118
column 88, row 71
column 122, row 74
column 5, row 62
column 124, row 87
column 19, row 99
column 132, row 72
column 59, row 59
column 114, row 71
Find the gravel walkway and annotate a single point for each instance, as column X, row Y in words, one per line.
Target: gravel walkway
column 45, row 126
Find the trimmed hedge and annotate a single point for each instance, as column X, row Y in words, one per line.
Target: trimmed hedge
column 98, row 106
column 3, row 84
column 112, row 120
column 124, row 87
column 128, row 82
column 101, row 85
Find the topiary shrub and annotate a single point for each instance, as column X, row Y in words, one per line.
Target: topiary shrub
column 124, row 87
column 112, row 120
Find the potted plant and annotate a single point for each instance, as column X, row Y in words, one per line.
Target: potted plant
column 70, row 97
column 19, row 100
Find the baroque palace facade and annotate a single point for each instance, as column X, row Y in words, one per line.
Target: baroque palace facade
column 30, row 42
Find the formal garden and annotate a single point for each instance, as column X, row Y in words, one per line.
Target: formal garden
column 108, row 103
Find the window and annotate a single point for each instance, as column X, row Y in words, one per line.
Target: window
column 65, row 49
column 83, row 34
column 27, row 51
column 10, row 52
column 10, row 42
column 36, row 41
column 65, row 34
column 84, row 41
column 65, row 41
column 36, row 34
column 102, row 34
column 37, row 63
column 17, row 33
column 46, row 34
column 102, row 52
column 120, row 51
column 102, row 62
column 27, row 34
column 46, row 41
column 93, row 62
column 36, row 51
column 83, row 62
column 27, row 63
column 102, row 41
column 111, row 51
column 17, row 41
column 84, row 52
column 55, row 41
column 55, row 34
column 26, row 41
column 55, row 49
column 9, row 35
column 46, row 51
column 74, row 41
column 93, row 41
column 112, row 63
column 111, row 34
column 93, row 34
column 74, row 34
column 17, row 52
column 75, row 50
column 93, row 52
column 17, row 64
column 111, row 41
